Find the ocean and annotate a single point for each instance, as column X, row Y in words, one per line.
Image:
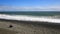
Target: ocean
column 32, row 13
column 45, row 16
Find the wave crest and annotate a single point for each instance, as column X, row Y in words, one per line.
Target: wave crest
column 29, row 18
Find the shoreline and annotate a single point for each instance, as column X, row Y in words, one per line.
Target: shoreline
column 28, row 27
column 33, row 23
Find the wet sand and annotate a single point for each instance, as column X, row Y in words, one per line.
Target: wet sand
column 27, row 27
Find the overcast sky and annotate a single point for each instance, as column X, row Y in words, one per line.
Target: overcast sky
column 29, row 5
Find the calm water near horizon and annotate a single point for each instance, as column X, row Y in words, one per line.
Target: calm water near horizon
column 33, row 13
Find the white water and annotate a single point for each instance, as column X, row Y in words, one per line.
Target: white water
column 29, row 18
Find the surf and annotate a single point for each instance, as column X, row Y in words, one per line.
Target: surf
column 29, row 18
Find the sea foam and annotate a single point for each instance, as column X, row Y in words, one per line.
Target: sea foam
column 29, row 18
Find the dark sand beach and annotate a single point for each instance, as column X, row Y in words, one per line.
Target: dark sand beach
column 28, row 27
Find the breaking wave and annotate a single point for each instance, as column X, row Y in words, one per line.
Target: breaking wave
column 30, row 18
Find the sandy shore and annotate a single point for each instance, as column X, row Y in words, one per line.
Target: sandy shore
column 23, row 27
